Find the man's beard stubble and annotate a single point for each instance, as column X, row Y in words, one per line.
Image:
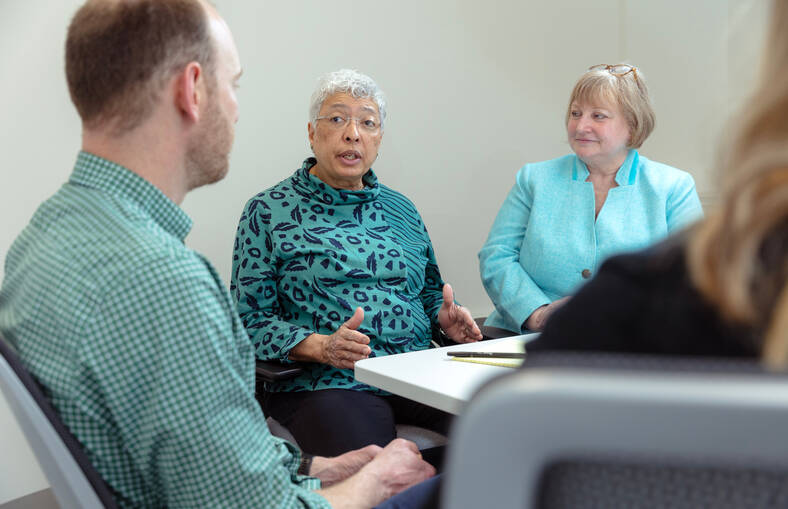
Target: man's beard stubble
column 208, row 154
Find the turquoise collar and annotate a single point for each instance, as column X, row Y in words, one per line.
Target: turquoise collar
column 625, row 176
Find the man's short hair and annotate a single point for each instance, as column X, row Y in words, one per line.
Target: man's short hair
column 120, row 54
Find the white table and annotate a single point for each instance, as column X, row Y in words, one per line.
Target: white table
column 430, row 376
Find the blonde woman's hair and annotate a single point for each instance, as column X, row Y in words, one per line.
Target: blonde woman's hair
column 628, row 92
column 738, row 256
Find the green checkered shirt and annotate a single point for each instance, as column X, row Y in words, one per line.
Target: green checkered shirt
column 139, row 348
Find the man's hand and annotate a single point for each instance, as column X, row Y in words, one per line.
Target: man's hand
column 333, row 470
column 341, row 349
column 538, row 318
column 456, row 321
column 397, row 467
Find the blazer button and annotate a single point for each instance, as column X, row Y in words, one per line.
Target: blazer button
column 586, row 273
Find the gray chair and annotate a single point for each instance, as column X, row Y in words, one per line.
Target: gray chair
column 623, row 434
column 74, row 481
column 269, row 371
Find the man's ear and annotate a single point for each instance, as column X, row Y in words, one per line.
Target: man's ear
column 188, row 91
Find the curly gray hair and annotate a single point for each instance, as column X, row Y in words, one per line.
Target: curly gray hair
column 347, row 81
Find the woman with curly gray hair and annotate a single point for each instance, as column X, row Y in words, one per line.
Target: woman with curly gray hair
column 331, row 267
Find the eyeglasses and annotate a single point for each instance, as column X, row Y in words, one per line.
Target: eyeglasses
column 369, row 125
column 616, row 70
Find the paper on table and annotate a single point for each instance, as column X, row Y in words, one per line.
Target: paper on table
column 513, row 345
column 505, row 363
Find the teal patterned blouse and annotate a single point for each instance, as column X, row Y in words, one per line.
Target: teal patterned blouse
column 306, row 255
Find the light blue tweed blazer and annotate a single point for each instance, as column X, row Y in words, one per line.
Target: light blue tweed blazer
column 545, row 241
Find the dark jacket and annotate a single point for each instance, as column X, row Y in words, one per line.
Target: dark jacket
column 645, row 303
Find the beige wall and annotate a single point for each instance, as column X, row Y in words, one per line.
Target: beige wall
column 476, row 89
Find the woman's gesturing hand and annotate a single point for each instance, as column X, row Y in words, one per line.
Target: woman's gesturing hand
column 456, row 321
column 340, row 349
column 347, row 345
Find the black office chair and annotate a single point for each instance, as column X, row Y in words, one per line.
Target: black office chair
column 578, row 430
column 489, row 332
column 272, row 371
column 74, row 481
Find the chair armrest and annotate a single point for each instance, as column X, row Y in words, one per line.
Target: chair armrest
column 492, row 332
column 441, row 339
column 271, row 371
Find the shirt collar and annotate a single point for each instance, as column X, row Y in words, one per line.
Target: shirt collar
column 625, row 176
column 311, row 185
column 98, row 173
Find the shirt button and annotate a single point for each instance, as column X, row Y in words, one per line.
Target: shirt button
column 586, row 273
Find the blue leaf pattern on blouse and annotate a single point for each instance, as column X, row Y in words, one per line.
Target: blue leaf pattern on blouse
column 306, row 255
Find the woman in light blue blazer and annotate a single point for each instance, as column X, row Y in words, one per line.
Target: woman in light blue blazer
column 563, row 217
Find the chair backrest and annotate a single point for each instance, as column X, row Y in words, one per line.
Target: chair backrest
column 74, row 480
column 568, row 436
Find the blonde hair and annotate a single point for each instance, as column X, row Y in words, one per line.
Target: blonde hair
column 738, row 256
column 628, row 92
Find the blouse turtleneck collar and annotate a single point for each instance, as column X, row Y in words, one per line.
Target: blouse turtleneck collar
column 308, row 184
